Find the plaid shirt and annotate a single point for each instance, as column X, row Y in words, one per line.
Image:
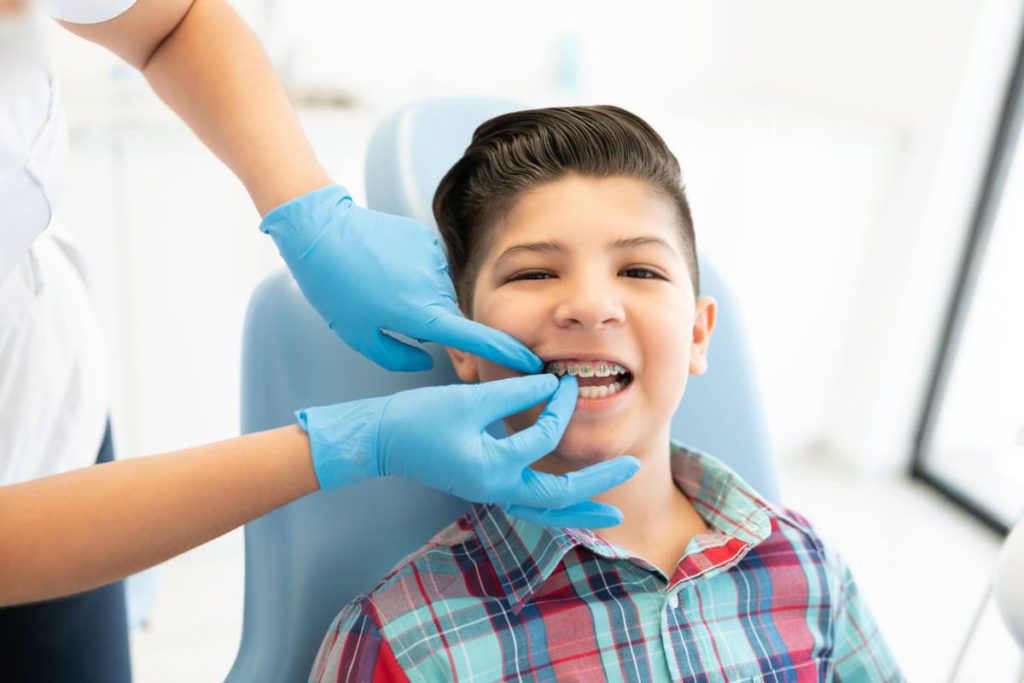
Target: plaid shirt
column 758, row 597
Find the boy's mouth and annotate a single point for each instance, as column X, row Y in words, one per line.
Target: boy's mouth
column 598, row 378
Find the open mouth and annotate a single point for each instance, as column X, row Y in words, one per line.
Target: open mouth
column 597, row 378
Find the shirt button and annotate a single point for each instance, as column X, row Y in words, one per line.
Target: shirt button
column 673, row 601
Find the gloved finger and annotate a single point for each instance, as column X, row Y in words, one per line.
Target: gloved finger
column 453, row 329
column 394, row 355
column 585, row 515
column 505, row 397
column 444, row 274
column 533, row 443
column 540, row 489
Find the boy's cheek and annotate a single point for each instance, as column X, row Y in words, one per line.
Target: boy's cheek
column 489, row 372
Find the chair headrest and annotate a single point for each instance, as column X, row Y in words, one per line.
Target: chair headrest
column 414, row 147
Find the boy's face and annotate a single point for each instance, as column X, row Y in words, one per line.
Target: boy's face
column 592, row 269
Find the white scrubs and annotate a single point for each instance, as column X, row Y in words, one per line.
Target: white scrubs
column 54, row 383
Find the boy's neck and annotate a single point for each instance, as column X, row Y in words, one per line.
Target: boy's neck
column 659, row 520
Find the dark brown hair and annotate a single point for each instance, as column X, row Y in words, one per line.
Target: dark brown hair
column 513, row 153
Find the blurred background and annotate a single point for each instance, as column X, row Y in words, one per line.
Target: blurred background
column 853, row 170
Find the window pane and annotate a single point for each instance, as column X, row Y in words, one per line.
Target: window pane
column 977, row 441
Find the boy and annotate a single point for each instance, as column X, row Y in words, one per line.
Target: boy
column 569, row 229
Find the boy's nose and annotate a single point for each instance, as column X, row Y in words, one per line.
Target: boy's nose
column 590, row 305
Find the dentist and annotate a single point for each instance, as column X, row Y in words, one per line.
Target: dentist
column 66, row 528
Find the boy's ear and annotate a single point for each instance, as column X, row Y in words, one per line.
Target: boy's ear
column 464, row 363
column 703, row 325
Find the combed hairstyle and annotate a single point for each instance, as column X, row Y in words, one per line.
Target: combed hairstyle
column 514, row 153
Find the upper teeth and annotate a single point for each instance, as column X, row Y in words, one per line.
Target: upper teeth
column 585, row 368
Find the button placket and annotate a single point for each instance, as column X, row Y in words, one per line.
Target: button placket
column 670, row 619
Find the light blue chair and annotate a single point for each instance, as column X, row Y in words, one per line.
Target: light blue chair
column 308, row 559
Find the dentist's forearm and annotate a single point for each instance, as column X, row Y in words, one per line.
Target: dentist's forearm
column 214, row 73
column 74, row 531
column 202, row 59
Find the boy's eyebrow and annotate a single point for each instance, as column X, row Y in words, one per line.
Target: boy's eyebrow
column 641, row 241
column 546, row 246
column 551, row 246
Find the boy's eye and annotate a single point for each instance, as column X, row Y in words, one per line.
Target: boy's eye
column 530, row 275
column 643, row 273
column 637, row 272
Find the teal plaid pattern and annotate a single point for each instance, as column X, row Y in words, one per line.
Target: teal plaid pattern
column 493, row 598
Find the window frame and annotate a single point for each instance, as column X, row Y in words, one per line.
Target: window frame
column 1005, row 143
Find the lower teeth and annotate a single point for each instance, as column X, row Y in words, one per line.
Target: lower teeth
column 601, row 391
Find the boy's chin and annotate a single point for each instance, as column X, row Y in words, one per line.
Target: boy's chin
column 581, row 444
column 578, row 450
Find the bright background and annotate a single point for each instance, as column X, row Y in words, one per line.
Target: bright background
column 832, row 152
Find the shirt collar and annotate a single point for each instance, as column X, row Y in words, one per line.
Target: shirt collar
column 525, row 554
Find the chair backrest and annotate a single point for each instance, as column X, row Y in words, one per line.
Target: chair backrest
column 308, row 559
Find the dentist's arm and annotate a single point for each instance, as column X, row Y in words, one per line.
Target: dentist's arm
column 363, row 271
column 73, row 531
column 202, row 60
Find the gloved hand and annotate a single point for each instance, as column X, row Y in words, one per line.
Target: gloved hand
column 437, row 436
column 366, row 272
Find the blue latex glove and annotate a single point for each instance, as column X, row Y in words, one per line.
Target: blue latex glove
column 437, row 436
column 366, row 272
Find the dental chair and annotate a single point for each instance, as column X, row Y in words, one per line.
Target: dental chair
column 305, row 561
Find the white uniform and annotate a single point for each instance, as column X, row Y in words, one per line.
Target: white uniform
column 54, row 385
